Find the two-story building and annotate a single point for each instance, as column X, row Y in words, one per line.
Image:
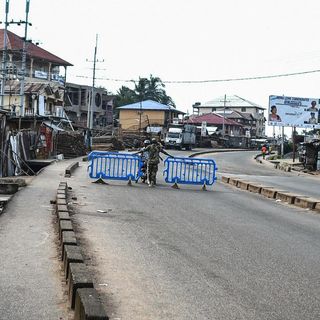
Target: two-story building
column 43, row 90
column 225, row 105
column 78, row 102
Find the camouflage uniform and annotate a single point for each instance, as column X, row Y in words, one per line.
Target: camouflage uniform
column 153, row 161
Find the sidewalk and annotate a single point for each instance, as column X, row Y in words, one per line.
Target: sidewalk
column 31, row 286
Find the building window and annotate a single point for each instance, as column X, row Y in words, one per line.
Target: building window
column 97, row 99
column 243, row 109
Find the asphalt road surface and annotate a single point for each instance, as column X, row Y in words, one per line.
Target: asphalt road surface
column 243, row 165
column 161, row 253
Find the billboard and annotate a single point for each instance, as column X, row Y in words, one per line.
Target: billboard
column 294, row 112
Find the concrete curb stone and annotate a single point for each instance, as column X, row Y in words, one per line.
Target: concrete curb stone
column 71, row 254
column 269, row 192
column 62, row 202
column 243, row 184
column 71, row 168
column 64, row 225
column 305, row 202
column 62, row 215
column 286, row 196
column 88, row 305
column 81, row 290
column 233, row 181
column 78, row 277
column 254, row 188
column 61, row 196
column 225, row 179
column 62, row 207
column 68, row 238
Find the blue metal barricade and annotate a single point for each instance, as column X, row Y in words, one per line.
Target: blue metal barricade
column 114, row 165
column 190, row 171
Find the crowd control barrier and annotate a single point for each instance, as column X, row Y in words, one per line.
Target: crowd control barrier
column 114, row 165
column 190, row 171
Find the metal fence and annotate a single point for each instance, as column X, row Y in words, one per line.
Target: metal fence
column 190, row 171
column 114, row 165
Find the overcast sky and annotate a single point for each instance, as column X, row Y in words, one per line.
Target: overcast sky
column 184, row 40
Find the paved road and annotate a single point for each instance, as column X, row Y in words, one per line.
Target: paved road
column 160, row 253
column 242, row 164
column 31, row 283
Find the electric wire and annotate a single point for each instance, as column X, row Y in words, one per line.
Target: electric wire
column 213, row 80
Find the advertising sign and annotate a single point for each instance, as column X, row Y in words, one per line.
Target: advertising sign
column 294, row 112
column 40, row 74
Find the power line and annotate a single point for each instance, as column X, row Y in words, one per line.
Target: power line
column 215, row 80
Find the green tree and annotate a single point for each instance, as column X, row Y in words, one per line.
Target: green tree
column 145, row 89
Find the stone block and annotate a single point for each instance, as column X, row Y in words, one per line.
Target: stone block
column 286, row 196
column 233, row 181
column 61, row 196
column 88, row 305
column 269, row 192
column 62, row 207
column 62, row 215
column 72, row 254
column 243, row 184
column 64, row 225
column 62, row 202
column 78, row 277
column 255, row 188
column 317, row 207
column 68, row 238
column 71, row 168
column 225, row 179
column 305, row 202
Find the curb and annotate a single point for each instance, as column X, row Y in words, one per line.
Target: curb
column 83, row 297
column 270, row 192
column 216, row 151
column 71, row 168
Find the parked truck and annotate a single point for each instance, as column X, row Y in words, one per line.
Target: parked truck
column 180, row 136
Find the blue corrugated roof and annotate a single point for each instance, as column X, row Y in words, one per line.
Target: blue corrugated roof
column 149, row 105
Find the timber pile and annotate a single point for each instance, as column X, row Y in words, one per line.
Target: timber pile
column 106, row 143
column 133, row 139
column 71, row 144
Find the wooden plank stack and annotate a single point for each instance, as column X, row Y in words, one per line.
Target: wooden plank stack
column 71, row 144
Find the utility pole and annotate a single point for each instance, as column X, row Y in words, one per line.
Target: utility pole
column 224, row 114
column 92, row 98
column 24, row 58
column 4, row 57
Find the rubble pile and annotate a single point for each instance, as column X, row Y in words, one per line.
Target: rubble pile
column 71, row 144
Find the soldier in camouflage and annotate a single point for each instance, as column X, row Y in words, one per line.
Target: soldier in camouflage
column 154, row 150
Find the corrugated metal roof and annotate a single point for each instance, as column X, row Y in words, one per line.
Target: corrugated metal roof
column 34, row 87
column 231, row 101
column 15, row 43
column 149, row 105
column 212, row 119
